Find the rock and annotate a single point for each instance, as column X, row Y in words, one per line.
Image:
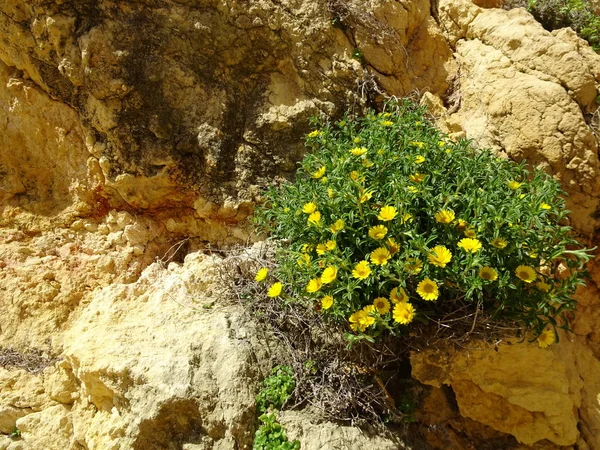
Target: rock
column 21, row 393
column 329, row 436
column 525, row 91
column 144, row 366
column 501, row 388
column 50, row 428
column 129, row 103
column 170, row 371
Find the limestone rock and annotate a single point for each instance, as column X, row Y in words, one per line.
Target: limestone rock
column 528, row 92
column 329, row 436
column 50, row 428
column 208, row 102
column 519, row 389
column 142, row 367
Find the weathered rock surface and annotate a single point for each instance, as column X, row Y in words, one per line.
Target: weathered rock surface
column 145, row 366
column 527, row 92
column 501, row 389
column 330, row 436
column 125, row 128
column 192, row 106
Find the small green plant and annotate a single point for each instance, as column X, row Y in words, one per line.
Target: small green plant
column 271, row 436
column 389, row 223
column 276, row 389
column 16, row 433
column 357, row 54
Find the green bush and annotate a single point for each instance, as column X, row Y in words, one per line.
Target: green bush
column 388, row 222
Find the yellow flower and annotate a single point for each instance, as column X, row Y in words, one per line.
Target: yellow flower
column 324, row 180
column 367, row 163
column 380, row 151
column 526, row 273
column 417, row 177
column 404, row 313
column 428, row 289
column 499, row 242
column 546, row 339
column 418, row 143
column 314, row 134
column 358, row 151
column 327, row 302
column 321, row 249
column 354, row 321
column 308, row 248
column 365, row 196
column 354, row 175
column 461, row 224
column 360, row 320
column 330, row 245
column 413, row 265
column 419, row 159
column 369, row 309
column 544, row 287
column 330, row 193
column 380, row 256
column 469, row 245
column 387, row 213
column 304, row 259
column 545, row 206
column 514, row 185
column 337, row 226
column 313, row 285
column 356, row 140
column 314, row 218
column 398, row 295
column 440, row 256
column 261, row 275
column 441, row 143
column 381, row 304
column 487, row 273
column 444, row 216
column 386, row 123
column 309, row 208
column 361, row 270
column 329, row 275
column 406, row 217
column 377, row 232
column 319, row 173
column 275, row 290
column 393, row 246
column 470, row 232
column 412, row 189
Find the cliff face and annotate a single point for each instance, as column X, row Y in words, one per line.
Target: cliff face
column 125, row 128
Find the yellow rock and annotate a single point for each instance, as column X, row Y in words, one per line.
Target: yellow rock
column 517, row 388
